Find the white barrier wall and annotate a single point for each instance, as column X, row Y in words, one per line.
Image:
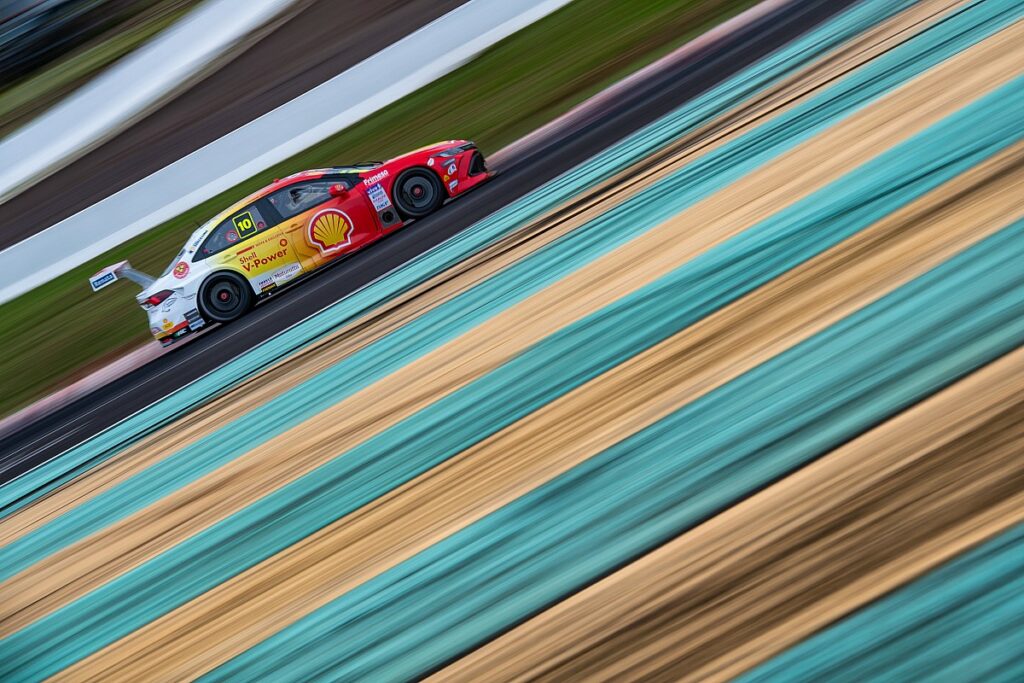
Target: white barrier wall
column 104, row 105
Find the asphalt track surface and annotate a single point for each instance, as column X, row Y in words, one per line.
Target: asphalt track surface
column 533, row 166
column 310, row 44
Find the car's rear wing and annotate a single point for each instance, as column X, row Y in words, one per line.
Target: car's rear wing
column 122, row 270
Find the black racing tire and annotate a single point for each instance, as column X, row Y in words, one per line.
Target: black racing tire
column 224, row 297
column 418, row 192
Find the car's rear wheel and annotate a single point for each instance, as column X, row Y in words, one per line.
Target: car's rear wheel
column 225, row 297
column 418, row 193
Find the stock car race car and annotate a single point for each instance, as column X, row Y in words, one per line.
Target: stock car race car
column 292, row 227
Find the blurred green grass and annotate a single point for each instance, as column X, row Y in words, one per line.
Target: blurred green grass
column 31, row 95
column 61, row 330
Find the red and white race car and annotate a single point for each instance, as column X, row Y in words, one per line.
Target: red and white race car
column 291, row 228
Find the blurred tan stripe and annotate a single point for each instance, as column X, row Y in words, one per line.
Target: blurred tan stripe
column 766, row 573
column 831, row 68
column 315, row 358
column 72, row 571
column 241, row 612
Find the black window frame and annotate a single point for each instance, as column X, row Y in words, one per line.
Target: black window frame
column 349, row 179
column 270, row 217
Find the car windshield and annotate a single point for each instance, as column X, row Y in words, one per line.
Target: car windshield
column 170, row 266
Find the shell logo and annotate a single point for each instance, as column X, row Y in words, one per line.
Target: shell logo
column 330, row 230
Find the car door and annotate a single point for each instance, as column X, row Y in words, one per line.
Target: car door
column 322, row 226
column 249, row 242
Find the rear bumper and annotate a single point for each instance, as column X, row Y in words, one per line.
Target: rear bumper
column 168, row 326
column 174, row 334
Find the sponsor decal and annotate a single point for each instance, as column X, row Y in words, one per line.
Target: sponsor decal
column 194, row 319
column 430, row 161
column 286, row 273
column 244, row 224
column 452, row 168
column 155, row 330
column 376, row 178
column 453, row 184
column 102, row 281
column 446, row 177
column 180, row 270
column 330, row 230
column 379, row 197
column 265, row 283
column 167, row 324
column 254, row 261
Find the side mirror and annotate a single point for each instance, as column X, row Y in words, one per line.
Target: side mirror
column 338, row 190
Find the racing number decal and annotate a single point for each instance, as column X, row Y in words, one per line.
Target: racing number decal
column 244, row 224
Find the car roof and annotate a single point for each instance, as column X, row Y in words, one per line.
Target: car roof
column 196, row 238
column 297, row 177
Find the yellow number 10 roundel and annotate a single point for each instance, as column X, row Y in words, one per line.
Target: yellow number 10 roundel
column 244, row 224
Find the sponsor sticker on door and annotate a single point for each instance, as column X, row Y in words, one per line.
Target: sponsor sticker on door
column 269, row 254
column 376, row 178
column 330, row 231
column 286, row 273
column 379, row 197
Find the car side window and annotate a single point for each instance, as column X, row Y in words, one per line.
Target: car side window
column 239, row 227
column 300, row 197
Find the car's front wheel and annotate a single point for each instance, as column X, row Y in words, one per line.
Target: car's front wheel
column 418, row 193
column 225, row 297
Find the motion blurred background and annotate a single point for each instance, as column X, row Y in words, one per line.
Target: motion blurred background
column 719, row 377
column 49, row 47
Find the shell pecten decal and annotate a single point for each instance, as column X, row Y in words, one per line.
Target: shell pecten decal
column 330, row 230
